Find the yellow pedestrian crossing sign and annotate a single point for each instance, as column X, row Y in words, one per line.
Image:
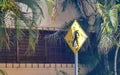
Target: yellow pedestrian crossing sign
column 75, row 37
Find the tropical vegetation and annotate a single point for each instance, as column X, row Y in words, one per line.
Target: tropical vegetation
column 18, row 18
column 100, row 18
column 102, row 15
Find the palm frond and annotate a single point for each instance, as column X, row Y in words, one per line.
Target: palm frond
column 4, row 38
column 50, row 5
column 116, row 39
column 21, row 21
column 33, row 39
column 3, row 72
column 33, row 32
column 31, row 24
column 113, row 13
column 35, row 6
column 19, row 30
column 110, row 18
column 9, row 5
column 108, row 27
column 59, row 35
column 105, row 43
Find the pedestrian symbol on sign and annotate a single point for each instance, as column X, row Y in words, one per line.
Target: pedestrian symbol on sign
column 75, row 39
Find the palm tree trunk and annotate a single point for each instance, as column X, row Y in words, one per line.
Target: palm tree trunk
column 115, row 59
column 106, row 63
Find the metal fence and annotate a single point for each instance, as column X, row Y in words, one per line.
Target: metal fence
column 47, row 52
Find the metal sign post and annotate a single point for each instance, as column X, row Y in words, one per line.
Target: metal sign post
column 76, row 64
column 75, row 38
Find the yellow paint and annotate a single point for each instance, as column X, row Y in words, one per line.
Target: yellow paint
column 81, row 37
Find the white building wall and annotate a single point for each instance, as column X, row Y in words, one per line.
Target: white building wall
column 63, row 16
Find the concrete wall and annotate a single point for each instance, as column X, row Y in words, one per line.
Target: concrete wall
column 63, row 17
column 43, row 69
column 35, row 71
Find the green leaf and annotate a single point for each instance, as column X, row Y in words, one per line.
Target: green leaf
column 32, row 39
column 2, row 72
column 109, row 25
column 101, row 10
column 113, row 14
column 4, row 38
column 19, row 30
column 50, row 5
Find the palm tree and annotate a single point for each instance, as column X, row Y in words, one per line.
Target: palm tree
column 19, row 20
column 109, row 30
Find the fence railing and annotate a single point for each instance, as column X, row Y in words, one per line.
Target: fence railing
column 46, row 52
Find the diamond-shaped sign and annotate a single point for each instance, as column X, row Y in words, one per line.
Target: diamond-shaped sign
column 75, row 37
